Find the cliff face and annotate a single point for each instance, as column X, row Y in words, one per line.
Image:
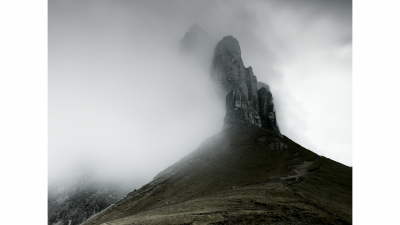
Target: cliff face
column 239, row 109
column 267, row 113
column 245, row 102
column 227, row 67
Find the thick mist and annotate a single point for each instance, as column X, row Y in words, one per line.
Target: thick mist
column 124, row 103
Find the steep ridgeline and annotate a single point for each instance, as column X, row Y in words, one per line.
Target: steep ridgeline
column 243, row 175
column 244, row 100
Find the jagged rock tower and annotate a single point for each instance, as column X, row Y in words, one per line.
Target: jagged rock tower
column 244, row 101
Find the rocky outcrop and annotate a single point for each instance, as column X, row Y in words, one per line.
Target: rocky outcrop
column 238, row 109
column 245, row 102
column 267, row 113
column 262, row 84
column 227, row 68
column 251, row 81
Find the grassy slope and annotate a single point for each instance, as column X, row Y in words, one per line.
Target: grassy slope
column 235, row 178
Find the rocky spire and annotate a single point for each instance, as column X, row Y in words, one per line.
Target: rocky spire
column 194, row 40
column 227, row 68
column 245, row 102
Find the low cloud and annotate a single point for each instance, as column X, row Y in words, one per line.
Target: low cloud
column 124, row 102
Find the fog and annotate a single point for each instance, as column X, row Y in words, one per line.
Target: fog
column 124, row 103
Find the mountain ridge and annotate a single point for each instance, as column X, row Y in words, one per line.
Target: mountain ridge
column 228, row 178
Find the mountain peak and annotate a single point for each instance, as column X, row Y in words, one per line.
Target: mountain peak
column 230, row 46
column 194, row 39
column 239, row 86
column 230, row 38
column 195, row 26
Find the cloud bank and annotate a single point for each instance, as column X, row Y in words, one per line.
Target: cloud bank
column 124, row 103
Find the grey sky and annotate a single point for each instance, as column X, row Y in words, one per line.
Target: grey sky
column 122, row 101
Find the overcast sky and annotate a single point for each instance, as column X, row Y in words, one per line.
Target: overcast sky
column 122, row 100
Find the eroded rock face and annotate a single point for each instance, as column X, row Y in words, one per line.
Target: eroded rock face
column 251, row 81
column 238, row 109
column 267, row 113
column 244, row 101
column 227, row 67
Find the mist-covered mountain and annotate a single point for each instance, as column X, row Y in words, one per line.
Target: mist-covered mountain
column 242, row 175
column 72, row 202
column 249, row 173
column 75, row 202
column 244, row 100
column 194, row 40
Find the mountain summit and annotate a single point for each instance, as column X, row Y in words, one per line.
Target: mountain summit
column 244, row 101
column 194, row 39
column 248, row 173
